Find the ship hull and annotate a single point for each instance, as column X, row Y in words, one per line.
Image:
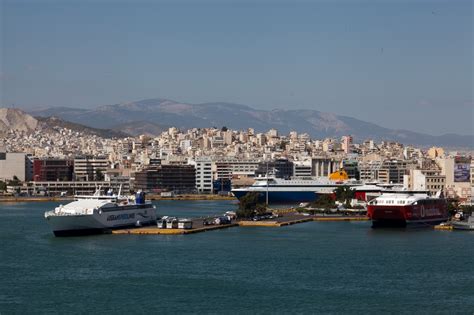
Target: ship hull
column 98, row 222
column 280, row 197
column 463, row 225
column 404, row 216
column 82, row 232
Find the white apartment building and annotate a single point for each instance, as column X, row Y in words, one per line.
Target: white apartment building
column 302, row 168
column 85, row 168
column 233, row 167
column 205, row 170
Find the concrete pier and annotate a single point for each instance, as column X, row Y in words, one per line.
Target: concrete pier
column 153, row 230
column 199, row 224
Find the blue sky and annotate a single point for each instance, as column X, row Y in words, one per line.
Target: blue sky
column 401, row 64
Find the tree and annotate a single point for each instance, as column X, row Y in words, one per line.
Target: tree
column 224, row 129
column 344, row 193
column 467, row 209
column 3, row 186
column 249, row 204
column 453, row 206
column 324, row 201
column 15, row 181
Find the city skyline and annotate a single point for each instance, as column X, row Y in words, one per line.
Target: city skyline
column 400, row 65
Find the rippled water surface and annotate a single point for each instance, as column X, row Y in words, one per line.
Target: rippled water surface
column 315, row 267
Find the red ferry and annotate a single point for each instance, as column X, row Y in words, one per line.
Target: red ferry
column 402, row 209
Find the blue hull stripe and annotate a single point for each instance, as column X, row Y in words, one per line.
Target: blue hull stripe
column 282, row 196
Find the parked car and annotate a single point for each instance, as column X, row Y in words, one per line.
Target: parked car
column 221, row 220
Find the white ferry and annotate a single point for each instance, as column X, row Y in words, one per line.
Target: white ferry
column 97, row 213
column 295, row 190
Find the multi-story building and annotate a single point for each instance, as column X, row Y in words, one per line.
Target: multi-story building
column 369, row 170
column 472, row 181
column 323, row 166
column 302, row 168
column 146, row 180
column 70, row 187
column 49, row 169
column 458, row 176
column 177, row 178
column 425, row 180
column 392, row 171
column 389, row 171
column 351, row 168
column 232, row 167
column 16, row 165
column 204, row 174
column 87, row 168
column 346, row 143
column 281, row 168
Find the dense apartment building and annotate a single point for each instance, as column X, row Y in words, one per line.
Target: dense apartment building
column 390, row 171
column 424, row 180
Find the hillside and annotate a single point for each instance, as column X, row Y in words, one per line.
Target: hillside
column 15, row 119
column 162, row 112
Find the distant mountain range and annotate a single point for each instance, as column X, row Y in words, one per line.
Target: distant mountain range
column 151, row 116
column 15, row 119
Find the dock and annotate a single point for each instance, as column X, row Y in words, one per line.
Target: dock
column 198, row 224
column 153, row 230
column 274, row 223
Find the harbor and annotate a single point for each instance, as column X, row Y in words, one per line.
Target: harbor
column 320, row 259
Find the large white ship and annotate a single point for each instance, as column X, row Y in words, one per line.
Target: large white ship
column 295, row 190
column 96, row 213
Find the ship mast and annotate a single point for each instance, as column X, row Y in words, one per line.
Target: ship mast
column 266, row 199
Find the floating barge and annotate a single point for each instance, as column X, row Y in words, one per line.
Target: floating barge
column 443, row 227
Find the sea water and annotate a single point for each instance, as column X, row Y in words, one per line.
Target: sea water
column 314, row 267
